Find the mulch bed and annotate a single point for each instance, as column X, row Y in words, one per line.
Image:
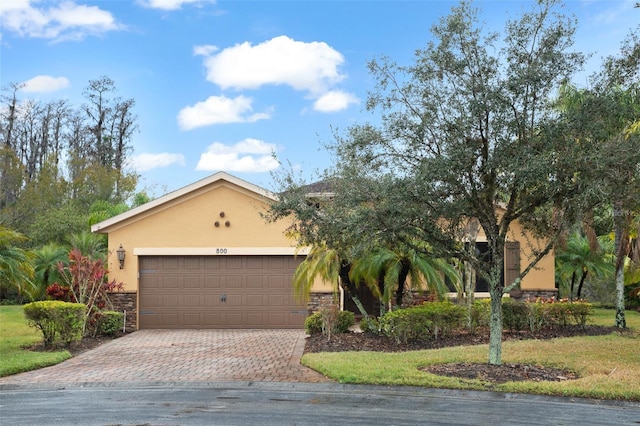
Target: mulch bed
column 77, row 348
column 355, row 341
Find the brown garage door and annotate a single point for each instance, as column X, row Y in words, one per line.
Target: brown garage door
column 218, row 292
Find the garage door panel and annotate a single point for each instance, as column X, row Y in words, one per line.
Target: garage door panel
column 193, row 281
column 233, row 319
column 192, row 319
column 277, row 300
column 233, row 300
column 170, row 282
column 234, row 262
column 170, row 300
column 210, row 300
column 276, row 263
column 255, row 262
column 192, row 263
column 219, row 292
column 234, row 281
column 192, row 300
column 255, row 300
column 169, row 263
column 212, row 282
column 254, row 282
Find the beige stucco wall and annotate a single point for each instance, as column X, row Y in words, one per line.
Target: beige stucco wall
column 186, row 225
column 542, row 277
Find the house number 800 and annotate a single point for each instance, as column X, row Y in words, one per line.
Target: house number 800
column 221, row 251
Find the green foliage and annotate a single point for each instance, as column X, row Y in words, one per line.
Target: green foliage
column 324, row 322
column 109, row 322
column 515, row 315
column 421, row 322
column 45, row 265
column 578, row 260
column 54, row 225
column 89, row 244
column 370, row 325
column 479, row 313
column 59, row 322
column 405, row 325
column 16, row 270
column 557, row 314
column 86, row 279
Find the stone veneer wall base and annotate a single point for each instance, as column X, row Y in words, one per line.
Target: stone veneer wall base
column 316, row 300
column 533, row 294
column 126, row 301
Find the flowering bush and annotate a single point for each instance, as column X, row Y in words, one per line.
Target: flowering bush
column 86, row 280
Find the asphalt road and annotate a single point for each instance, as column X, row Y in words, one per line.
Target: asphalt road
column 261, row 403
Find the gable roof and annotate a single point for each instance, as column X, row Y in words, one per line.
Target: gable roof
column 217, row 177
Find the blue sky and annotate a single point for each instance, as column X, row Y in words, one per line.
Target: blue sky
column 219, row 85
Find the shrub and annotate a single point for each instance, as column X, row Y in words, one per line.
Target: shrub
column 479, row 314
column 323, row 321
column 87, row 282
column 58, row 321
column 515, row 315
column 405, row 325
column 58, row 292
column 109, row 322
column 580, row 311
column 552, row 313
column 370, row 325
column 420, row 322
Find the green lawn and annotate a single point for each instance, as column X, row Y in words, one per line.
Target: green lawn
column 15, row 334
column 608, row 366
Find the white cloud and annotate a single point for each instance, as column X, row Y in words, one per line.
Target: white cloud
column 249, row 155
column 66, row 20
column 204, row 50
column 334, row 101
column 45, row 84
column 145, row 162
column 219, row 110
column 311, row 67
column 171, row 4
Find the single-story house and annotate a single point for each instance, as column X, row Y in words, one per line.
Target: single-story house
column 203, row 257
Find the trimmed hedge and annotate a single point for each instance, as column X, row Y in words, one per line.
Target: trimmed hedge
column 421, row 322
column 59, row 322
column 434, row 319
column 316, row 322
column 109, row 322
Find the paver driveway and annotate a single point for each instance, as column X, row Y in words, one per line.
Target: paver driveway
column 171, row 356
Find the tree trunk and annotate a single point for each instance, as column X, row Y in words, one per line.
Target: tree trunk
column 582, row 279
column 621, row 321
column 402, row 278
column 573, row 280
column 351, row 288
column 495, row 324
column 382, row 291
column 469, row 288
column 619, row 219
column 496, row 290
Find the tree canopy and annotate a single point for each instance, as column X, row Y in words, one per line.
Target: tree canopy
column 469, row 133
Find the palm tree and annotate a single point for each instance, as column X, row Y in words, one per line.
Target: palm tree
column 387, row 271
column 576, row 260
column 91, row 245
column 16, row 271
column 329, row 265
column 45, row 264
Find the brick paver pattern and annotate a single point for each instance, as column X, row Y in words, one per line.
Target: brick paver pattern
column 184, row 356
